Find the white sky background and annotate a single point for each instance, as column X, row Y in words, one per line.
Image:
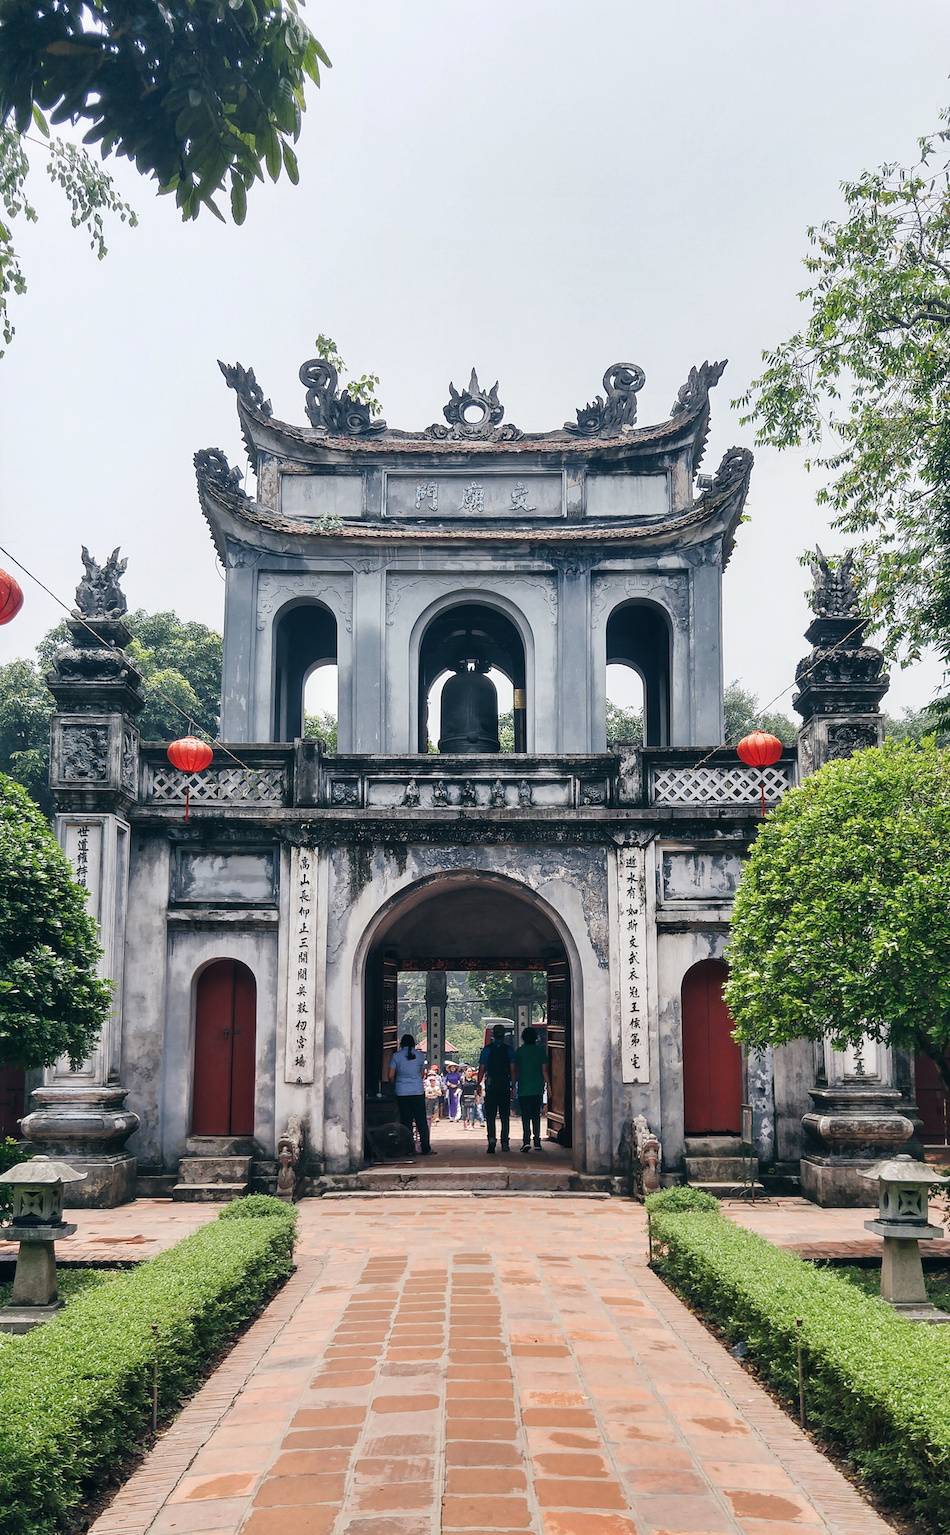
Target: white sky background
column 541, row 189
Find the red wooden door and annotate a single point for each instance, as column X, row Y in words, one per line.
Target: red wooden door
column 712, row 1061
column 225, row 1038
column 932, row 1101
column 12, row 1094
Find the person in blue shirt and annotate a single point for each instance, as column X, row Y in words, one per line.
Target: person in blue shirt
column 496, row 1068
column 406, row 1072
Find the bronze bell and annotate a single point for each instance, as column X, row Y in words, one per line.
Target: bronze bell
column 469, row 711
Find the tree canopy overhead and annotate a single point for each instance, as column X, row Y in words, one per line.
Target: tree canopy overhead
column 841, row 924
column 199, row 94
column 52, row 1002
column 865, row 383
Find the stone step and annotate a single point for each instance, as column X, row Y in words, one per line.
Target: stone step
column 731, row 1190
column 713, row 1146
column 220, row 1146
column 208, row 1193
column 214, row 1170
column 719, row 1169
column 498, row 1178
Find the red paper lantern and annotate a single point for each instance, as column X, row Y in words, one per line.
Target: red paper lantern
column 760, row 750
column 11, row 597
column 189, row 755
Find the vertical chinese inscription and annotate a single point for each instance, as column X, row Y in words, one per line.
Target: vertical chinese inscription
column 427, row 495
column 634, row 1035
column 81, row 861
column 301, row 968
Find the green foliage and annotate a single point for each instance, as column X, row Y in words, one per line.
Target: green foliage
column 201, row 95
column 87, row 188
column 876, row 1384
column 11, row 1152
column 865, row 383
column 624, row 727
column 52, row 1002
column 914, row 725
column 363, row 388
column 258, row 1207
column 26, row 706
column 322, row 728
column 75, row 1394
column 741, row 715
column 682, row 1201
column 841, row 924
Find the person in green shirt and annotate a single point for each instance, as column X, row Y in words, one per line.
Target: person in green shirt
column 531, row 1068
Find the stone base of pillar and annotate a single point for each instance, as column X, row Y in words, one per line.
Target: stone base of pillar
column 87, row 1126
column 20, row 1319
column 838, row 1184
column 850, row 1130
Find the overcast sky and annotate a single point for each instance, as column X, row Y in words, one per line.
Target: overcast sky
column 539, row 188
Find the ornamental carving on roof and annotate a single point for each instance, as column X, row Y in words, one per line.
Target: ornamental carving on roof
column 245, row 386
column 474, row 413
column 694, row 394
column 99, row 594
column 606, row 416
column 334, row 412
column 212, row 468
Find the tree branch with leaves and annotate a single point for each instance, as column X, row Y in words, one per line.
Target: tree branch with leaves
column 864, row 384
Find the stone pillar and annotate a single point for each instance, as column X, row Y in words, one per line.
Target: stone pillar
column 437, row 987
column 79, row 1113
column 855, row 1119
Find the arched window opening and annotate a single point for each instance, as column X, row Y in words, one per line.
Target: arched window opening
column 472, row 695
column 304, row 644
column 624, row 707
column 638, row 638
column 321, row 705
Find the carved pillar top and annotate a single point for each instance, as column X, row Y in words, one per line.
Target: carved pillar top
column 841, row 675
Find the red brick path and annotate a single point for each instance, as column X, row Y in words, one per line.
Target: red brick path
column 577, row 1396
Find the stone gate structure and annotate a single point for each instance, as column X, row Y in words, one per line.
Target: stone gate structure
column 255, row 943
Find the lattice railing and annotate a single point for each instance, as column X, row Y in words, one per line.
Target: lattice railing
column 717, row 785
column 217, row 785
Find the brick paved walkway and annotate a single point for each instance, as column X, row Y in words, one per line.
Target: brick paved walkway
column 576, row 1397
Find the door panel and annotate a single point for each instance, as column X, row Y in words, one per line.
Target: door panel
column 225, row 1048
column 390, row 1013
column 932, row 1101
column 712, row 1061
column 561, row 1095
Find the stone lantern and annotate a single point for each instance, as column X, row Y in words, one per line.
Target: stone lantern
column 902, row 1221
column 37, row 1223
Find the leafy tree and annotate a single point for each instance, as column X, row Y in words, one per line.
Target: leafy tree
column 200, row 94
column 88, row 189
column 624, row 727
column 741, row 715
column 841, row 924
column 52, row 1002
column 178, row 658
column 865, row 382
column 913, row 725
column 322, row 728
column 26, row 705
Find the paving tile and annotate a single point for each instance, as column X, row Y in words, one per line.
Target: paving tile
column 300, row 1490
column 478, row 1512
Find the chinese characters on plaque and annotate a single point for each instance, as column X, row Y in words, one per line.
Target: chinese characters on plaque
column 301, row 968
column 634, row 1033
column 427, row 495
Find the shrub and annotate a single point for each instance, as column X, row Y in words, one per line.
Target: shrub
column 258, row 1207
column 681, row 1201
column 876, row 1384
column 75, row 1394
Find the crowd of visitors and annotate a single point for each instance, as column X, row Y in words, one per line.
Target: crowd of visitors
column 473, row 1095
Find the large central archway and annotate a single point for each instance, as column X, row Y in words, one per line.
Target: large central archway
column 469, row 922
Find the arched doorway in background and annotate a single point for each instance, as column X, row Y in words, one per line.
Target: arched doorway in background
column 712, row 1061
column 225, row 1040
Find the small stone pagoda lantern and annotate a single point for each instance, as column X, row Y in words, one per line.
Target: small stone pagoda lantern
column 37, row 1223
column 902, row 1221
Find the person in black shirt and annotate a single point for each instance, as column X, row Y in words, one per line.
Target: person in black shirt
column 496, row 1068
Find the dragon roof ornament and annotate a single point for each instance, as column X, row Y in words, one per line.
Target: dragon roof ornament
column 474, row 416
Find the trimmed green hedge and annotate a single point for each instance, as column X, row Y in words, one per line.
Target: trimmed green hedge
column 681, row 1200
column 75, row 1393
column 877, row 1386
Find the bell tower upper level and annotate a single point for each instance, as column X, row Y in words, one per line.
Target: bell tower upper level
column 474, row 550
